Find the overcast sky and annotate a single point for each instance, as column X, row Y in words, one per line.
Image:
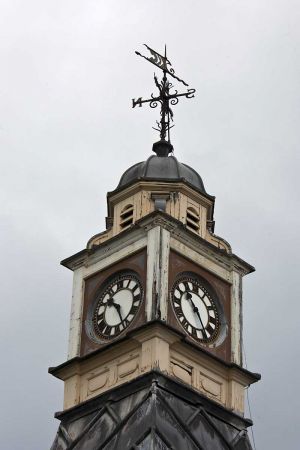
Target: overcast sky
column 67, row 133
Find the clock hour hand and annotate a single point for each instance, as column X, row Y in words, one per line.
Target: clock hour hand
column 196, row 310
column 111, row 302
column 189, row 297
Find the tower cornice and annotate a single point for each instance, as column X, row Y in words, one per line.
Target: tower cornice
column 154, row 346
column 177, row 230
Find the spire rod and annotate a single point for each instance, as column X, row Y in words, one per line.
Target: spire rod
column 164, row 99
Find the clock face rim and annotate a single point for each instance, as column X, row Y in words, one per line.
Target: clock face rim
column 194, row 278
column 102, row 292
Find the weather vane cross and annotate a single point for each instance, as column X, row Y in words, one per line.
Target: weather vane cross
column 165, row 97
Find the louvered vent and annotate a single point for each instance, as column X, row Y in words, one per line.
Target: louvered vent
column 192, row 219
column 126, row 217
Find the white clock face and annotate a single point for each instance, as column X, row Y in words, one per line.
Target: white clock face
column 117, row 306
column 195, row 309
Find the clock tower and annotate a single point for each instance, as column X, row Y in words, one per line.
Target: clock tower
column 155, row 342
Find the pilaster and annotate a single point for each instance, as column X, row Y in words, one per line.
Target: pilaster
column 157, row 273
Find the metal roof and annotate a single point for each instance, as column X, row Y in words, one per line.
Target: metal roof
column 162, row 168
column 151, row 412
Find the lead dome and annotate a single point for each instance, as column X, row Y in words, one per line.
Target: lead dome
column 163, row 168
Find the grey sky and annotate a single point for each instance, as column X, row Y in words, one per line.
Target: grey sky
column 67, row 132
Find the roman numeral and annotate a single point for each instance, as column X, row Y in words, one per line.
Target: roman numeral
column 101, row 325
column 186, row 285
column 126, row 323
column 180, row 290
column 204, row 334
column 194, row 333
column 137, row 297
column 210, row 330
column 120, row 284
column 178, row 310
column 110, row 292
column 134, row 288
column 185, row 323
column 212, row 320
column 100, row 317
column 108, row 330
column 134, row 309
column 195, row 288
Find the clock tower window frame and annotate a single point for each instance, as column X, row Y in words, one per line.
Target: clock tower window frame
column 126, row 216
column 192, row 219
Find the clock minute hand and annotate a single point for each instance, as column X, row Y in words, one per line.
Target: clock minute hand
column 196, row 310
column 118, row 308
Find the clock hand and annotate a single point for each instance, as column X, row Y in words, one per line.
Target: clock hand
column 111, row 302
column 118, row 308
column 189, row 297
column 196, row 310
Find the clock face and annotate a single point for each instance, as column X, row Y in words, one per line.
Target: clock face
column 117, row 306
column 195, row 309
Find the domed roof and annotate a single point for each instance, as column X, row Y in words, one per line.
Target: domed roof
column 162, row 168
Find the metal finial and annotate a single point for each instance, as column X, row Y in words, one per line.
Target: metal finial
column 165, row 98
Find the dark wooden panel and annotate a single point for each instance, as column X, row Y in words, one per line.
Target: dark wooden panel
column 218, row 287
column 136, row 263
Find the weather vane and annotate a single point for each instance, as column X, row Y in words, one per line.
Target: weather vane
column 165, row 97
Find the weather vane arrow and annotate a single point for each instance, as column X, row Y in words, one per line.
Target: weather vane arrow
column 165, row 97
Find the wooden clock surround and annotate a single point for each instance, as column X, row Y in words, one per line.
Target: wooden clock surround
column 136, row 263
column 222, row 290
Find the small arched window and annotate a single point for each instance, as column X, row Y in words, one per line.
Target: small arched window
column 192, row 219
column 126, row 218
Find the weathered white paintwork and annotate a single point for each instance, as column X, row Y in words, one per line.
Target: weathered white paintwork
column 76, row 313
column 157, row 272
column 236, row 317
